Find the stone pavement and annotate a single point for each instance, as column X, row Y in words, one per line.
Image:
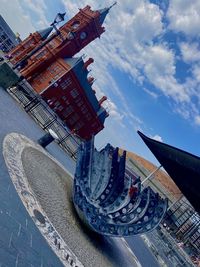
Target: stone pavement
column 21, row 244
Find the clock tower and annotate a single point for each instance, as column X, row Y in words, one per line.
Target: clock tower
column 73, row 36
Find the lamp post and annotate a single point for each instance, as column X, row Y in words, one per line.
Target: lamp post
column 23, row 62
column 59, row 18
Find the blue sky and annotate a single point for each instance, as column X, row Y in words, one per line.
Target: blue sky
column 147, row 63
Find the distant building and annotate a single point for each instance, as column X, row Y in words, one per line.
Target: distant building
column 47, row 64
column 184, row 224
column 8, row 40
column 181, row 220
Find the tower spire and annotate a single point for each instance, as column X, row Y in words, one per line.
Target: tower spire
column 103, row 12
column 45, row 32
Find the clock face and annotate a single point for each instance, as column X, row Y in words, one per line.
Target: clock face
column 83, row 35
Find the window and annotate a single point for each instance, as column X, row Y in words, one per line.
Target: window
column 29, row 43
column 54, row 69
column 73, row 119
column 84, row 109
column 56, row 76
column 68, row 111
column 41, row 54
column 60, row 108
column 64, row 98
column 74, row 93
column 79, row 125
column 4, row 36
column 75, row 24
column 88, row 116
column 57, row 103
column 66, row 83
column 70, row 35
column 78, row 101
column 51, row 44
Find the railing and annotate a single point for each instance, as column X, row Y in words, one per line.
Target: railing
column 37, row 108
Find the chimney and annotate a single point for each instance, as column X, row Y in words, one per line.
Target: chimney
column 102, row 100
column 88, row 62
column 90, row 80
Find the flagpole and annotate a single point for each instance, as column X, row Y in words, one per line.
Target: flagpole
column 151, row 174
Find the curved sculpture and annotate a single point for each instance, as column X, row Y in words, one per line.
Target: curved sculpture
column 108, row 198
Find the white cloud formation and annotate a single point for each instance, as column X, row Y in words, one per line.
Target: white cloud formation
column 157, row 138
column 151, row 93
column 160, row 70
column 16, row 17
column 38, row 7
column 190, row 52
column 184, row 16
column 197, row 120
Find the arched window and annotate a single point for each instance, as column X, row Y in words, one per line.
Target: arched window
column 75, row 24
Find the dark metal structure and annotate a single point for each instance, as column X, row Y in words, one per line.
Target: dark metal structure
column 108, row 200
column 183, row 168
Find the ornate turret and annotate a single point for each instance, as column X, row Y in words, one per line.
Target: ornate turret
column 103, row 12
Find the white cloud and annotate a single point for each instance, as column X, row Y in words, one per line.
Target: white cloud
column 196, row 74
column 157, row 138
column 16, row 17
column 113, row 111
column 152, row 94
column 190, row 52
column 184, row 16
column 197, row 120
column 38, row 7
column 160, row 70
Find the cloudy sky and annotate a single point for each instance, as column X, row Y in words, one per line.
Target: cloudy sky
column 147, row 63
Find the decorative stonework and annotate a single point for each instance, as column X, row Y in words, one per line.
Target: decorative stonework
column 13, row 147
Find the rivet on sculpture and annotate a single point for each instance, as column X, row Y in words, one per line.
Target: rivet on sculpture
column 108, row 199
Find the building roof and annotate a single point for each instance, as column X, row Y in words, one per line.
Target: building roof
column 77, row 64
column 104, row 11
column 45, row 32
column 183, row 168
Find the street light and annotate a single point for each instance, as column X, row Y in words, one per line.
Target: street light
column 59, row 18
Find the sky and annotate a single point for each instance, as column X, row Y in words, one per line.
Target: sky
column 147, row 63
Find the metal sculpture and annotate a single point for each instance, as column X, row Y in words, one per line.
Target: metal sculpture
column 183, row 168
column 108, row 199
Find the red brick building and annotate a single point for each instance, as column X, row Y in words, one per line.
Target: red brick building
column 47, row 64
column 75, row 101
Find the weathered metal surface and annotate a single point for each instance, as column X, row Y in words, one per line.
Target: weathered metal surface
column 108, row 200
